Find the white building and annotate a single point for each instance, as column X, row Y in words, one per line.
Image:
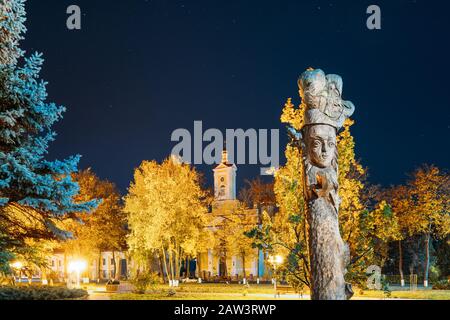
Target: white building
column 99, row 268
column 211, row 263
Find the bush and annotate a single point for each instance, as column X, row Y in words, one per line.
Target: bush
column 54, row 277
column 143, row 281
column 295, row 283
column 6, row 279
column 442, row 285
column 39, row 293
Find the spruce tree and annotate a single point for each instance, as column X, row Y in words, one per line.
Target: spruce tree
column 35, row 193
column 12, row 28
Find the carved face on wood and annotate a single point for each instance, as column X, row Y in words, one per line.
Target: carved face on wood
column 321, row 139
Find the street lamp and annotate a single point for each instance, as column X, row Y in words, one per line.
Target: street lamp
column 77, row 266
column 17, row 265
column 275, row 261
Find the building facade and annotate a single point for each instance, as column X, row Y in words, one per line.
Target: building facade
column 214, row 263
column 108, row 265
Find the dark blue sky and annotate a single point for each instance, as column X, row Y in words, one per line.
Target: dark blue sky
column 140, row 69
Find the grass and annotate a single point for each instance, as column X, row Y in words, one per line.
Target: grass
column 222, row 288
column 418, row 295
column 195, row 291
column 259, row 292
column 186, row 296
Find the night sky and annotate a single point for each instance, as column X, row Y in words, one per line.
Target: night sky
column 140, row 69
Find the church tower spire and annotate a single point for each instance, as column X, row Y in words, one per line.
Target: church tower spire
column 225, row 179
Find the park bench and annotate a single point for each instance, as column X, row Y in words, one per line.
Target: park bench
column 122, row 287
column 287, row 289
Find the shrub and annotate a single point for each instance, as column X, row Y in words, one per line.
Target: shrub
column 53, row 276
column 386, row 288
column 143, row 281
column 295, row 283
column 442, row 285
column 6, row 279
column 39, row 293
column 171, row 292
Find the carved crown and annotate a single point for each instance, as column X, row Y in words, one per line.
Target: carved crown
column 322, row 95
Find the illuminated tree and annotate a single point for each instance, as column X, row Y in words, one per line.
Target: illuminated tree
column 258, row 194
column 166, row 213
column 103, row 229
column 367, row 222
column 230, row 235
column 366, row 229
column 286, row 233
column 429, row 196
column 400, row 200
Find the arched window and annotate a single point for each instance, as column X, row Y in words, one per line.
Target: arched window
column 221, row 191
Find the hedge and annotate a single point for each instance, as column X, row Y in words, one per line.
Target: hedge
column 442, row 285
column 40, row 293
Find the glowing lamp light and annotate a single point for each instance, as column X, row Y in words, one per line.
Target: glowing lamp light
column 17, row 265
column 276, row 260
column 77, row 266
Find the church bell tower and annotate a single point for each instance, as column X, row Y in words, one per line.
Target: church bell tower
column 225, row 179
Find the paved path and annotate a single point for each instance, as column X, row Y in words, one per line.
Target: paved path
column 95, row 295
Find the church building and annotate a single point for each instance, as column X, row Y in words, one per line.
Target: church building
column 214, row 263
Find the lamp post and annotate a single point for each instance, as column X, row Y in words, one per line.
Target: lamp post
column 77, row 266
column 17, row 265
column 275, row 261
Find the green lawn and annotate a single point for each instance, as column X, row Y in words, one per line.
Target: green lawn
column 204, row 291
column 187, row 296
column 259, row 292
column 419, row 294
column 222, row 288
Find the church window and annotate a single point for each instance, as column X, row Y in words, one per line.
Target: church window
column 222, row 191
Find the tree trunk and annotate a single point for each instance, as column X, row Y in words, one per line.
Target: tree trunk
column 400, row 263
column 187, row 267
column 177, row 263
column 99, row 266
column 257, row 266
column 65, row 267
column 114, row 264
column 427, row 261
column 198, row 266
column 161, row 271
column 171, row 264
column 165, row 263
column 328, row 254
column 243, row 267
column 44, row 274
column 225, row 265
column 119, row 268
column 258, row 253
